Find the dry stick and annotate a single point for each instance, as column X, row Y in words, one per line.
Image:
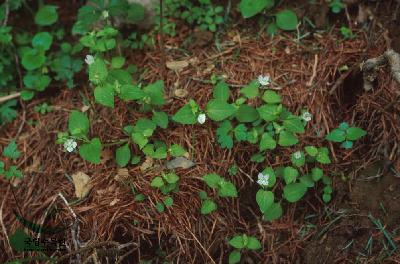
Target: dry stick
column 310, row 82
column 205, row 251
column 7, row 12
column 3, row 227
column 74, row 229
column 9, row 97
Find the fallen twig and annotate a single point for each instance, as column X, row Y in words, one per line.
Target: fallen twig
column 9, row 97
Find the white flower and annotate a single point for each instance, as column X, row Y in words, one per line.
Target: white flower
column 201, row 118
column 70, row 145
column 306, row 116
column 297, row 155
column 89, row 59
column 263, row 179
column 104, row 14
column 264, row 80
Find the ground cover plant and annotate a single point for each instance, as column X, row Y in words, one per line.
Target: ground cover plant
column 199, row 132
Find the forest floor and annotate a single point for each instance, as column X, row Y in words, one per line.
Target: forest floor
column 360, row 224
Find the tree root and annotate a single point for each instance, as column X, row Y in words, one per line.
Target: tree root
column 369, row 68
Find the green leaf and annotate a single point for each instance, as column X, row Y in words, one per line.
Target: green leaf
column 160, row 153
column 274, row 212
column 91, row 151
column 27, row 95
column 144, row 126
column 311, row 150
column 287, row 139
column 251, row 90
column 246, row 114
column 316, row 174
column 33, row 59
column 104, row 95
column 38, row 82
column 78, row 123
column 336, row 135
column 139, row 139
column 156, row 92
column 135, row 12
column 326, row 197
column 223, row 135
column 354, row 133
column 47, row 15
column 323, row 156
column 157, row 182
column 298, row 158
column 212, row 180
column 171, row 178
column 161, row 119
column 290, row 174
column 131, row 92
column 177, row 150
column 227, row 189
column 264, row 199
column 185, row 116
column 117, row 62
column 272, row 176
column 123, row 155
column 219, row 110
column 347, row 144
column 208, row 206
column 267, row 142
column 42, row 40
column 293, row 124
column 160, row 207
column 234, row 257
column 269, row 112
column 98, row 71
column 343, row 126
column 271, row 97
column 11, row 151
column 307, row 181
column 250, row 8
column 258, row 157
column 168, row 201
column 240, row 132
column 253, row 243
column 221, row 91
column 286, row 20
column 294, row 191
column 13, row 172
column 238, row 242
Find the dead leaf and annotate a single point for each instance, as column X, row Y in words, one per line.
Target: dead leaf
column 181, row 93
column 177, row 65
column 180, row 162
column 85, row 108
column 209, row 69
column 147, row 164
column 35, row 166
column 122, row 175
column 114, row 202
column 82, row 184
column 106, row 155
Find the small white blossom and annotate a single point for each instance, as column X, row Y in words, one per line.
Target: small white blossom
column 263, row 180
column 306, row 116
column 201, row 118
column 297, row 155
column 105, row 14
column 70, row 145
column 89, row 59
column 264, row 80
